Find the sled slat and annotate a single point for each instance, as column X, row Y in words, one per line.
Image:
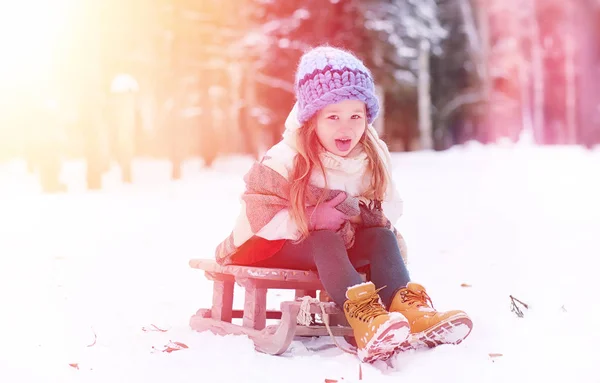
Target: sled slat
column 322, row 331
column 258, row 273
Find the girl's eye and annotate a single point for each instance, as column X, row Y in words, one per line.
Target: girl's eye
column 356, row 116
column 333, row 117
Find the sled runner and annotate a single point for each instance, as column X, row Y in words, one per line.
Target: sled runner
column 256, row 281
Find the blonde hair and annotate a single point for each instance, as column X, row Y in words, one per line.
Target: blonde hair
column 307, row 159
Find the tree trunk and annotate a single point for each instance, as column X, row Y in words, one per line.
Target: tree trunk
column 484, row 30
column 588, row 56
column 475, row 45
column 424, row 96
column 570, row 136
column 527, row 129
column 537, row 72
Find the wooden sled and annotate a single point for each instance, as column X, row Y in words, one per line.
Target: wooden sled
column 273, row 339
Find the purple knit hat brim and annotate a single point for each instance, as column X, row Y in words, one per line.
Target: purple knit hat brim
column 328, row 75
column 333, row 96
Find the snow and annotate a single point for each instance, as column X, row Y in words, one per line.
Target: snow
column 414, row 20
column 96, row 268
column 301, row 13
column 284, row 43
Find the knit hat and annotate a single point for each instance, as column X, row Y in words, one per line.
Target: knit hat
column 328, row 75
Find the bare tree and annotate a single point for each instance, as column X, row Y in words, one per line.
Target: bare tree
column 537, row 71
column 424, row 96
column 570, row 88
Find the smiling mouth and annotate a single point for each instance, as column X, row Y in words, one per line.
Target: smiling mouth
column 343, row 144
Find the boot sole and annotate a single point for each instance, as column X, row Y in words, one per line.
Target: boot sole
column 451, row 331
column 386, row 341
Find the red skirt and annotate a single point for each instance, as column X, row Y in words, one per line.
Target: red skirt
column 256, row 249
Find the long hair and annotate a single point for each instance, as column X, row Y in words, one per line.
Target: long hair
column 307, row 159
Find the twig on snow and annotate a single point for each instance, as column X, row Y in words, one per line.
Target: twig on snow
column 515, row 308
column 95, row 338
column 154, row 328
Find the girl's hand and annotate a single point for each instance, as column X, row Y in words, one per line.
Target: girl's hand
column 325, row 216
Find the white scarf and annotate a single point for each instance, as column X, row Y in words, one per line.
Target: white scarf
column 354, row 162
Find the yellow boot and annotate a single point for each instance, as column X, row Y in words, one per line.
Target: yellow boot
column 378, row 333
column 428, row 327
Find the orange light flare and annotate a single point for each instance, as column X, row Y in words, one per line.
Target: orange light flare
column 30, row 34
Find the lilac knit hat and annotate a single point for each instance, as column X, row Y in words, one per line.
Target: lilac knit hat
column 328, row 75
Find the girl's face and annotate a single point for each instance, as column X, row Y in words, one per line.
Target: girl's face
column 340, row 126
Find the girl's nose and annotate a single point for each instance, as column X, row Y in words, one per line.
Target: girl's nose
column 347, row 126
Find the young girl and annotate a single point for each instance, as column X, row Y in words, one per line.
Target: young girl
column 323, row 199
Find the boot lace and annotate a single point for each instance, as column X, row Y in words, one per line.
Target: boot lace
column 416, row 298
column 366, row 308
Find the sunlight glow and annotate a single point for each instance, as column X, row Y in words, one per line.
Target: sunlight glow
column 30, row 33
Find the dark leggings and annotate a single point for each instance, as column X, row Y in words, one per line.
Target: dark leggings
column 324, row 251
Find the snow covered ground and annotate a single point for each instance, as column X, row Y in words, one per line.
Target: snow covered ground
column 83, row 274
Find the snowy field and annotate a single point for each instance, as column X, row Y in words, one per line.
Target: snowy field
column 83, row 275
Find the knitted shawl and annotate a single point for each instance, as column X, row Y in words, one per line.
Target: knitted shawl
column 265, row 204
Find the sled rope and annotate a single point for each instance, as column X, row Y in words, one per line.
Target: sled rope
column 304, row 318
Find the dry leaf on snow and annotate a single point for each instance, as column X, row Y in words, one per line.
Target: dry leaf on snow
column 173, row 346
column 153, row 328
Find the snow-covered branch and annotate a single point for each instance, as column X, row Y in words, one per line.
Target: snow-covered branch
column 460, row 100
